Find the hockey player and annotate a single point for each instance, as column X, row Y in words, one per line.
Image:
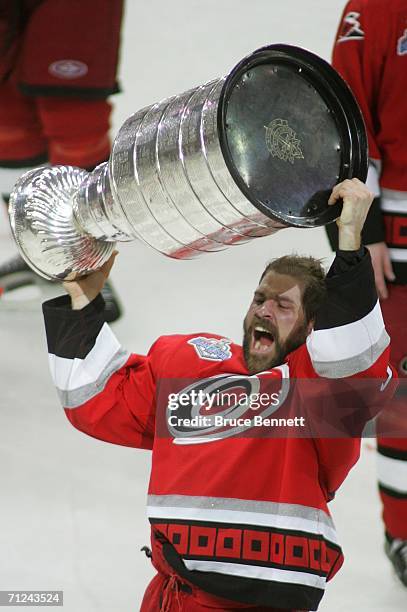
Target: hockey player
column 236, row 521
column 58, row 62
column 370, row 52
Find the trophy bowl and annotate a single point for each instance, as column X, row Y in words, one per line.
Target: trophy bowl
column 235, row 159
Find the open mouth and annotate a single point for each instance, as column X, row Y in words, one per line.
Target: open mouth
column 262, row 340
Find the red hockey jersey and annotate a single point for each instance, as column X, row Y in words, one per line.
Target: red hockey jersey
column 242, row 516
column 370, row 53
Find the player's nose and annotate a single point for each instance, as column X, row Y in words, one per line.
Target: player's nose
column 266, row 310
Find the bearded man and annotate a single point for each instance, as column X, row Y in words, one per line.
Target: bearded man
column 238, row 521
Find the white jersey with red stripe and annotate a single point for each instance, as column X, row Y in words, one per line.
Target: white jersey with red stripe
column 243, row 512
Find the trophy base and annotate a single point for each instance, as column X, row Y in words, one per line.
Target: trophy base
column 45, row 229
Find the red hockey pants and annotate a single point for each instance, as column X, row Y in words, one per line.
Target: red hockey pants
column 167, row 593
column 392, row 452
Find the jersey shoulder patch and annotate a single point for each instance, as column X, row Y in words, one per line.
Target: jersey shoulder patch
column 212, row 349
column 351, row 28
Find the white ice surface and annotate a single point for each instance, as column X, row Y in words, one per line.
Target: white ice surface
column 72, row 511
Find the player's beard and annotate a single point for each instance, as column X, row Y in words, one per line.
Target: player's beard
column 259, row 363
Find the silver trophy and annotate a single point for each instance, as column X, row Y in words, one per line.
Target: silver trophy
column 235, row 159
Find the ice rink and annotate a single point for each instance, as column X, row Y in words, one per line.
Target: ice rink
column 72, row 509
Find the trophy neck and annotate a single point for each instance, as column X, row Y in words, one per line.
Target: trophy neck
column 97, row 211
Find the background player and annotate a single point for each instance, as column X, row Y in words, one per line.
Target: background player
column 371, row 54
column 58, row 64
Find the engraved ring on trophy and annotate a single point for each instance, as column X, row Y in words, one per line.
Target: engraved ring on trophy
column 240, row 157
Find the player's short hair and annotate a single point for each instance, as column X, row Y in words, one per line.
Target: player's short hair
column 311, row 274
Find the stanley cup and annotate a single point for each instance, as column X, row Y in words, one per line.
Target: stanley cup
column 234, row 159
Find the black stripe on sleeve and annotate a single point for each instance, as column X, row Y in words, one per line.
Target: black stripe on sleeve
column 72, row 333
column 351, row 294
column 392, row 492
column 392, row 453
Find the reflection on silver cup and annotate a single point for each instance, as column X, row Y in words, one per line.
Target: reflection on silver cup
column 218, row 165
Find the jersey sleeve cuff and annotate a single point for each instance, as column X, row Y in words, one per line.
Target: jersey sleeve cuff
column 72, row 333
column 351, row 291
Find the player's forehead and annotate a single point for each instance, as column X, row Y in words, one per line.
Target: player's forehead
column 274, row 284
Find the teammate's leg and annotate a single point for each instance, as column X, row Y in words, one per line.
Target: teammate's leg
column 64, row 74
column 392, row 452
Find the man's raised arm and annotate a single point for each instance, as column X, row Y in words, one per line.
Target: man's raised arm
column 106, row 392
column 349, row 337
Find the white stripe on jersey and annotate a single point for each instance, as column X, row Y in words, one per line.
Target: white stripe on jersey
column 394, row 206
column 221, row 515
column 259, row 572
column 392, row 473
column 348, row 349
column 70, row 374
column 398, row 254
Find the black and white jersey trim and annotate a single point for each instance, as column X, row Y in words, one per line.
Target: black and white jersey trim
column 338, row 352
column 392, row 472
column 246, row 588
column 81, row 374
column 72, row 333
column 351, row 295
